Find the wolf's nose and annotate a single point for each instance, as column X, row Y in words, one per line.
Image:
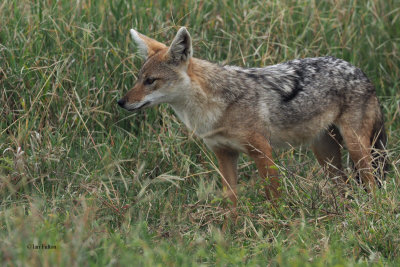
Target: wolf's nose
column 121, row 102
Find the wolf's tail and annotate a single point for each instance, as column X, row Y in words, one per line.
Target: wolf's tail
column 379, row 153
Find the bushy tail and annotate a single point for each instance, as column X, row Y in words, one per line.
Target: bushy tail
column 379, row 153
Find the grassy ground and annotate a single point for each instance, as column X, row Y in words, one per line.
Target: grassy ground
column 111, row 188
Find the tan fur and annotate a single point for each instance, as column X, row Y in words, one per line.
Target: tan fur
column 252, row 110
column 194, row 69
column 152, row 45
column 327, row 149
column 227, row 160
column 357, row 135
column 260, row 150
column 137, row 93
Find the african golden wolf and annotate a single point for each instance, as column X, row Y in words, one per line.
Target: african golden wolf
column 322, row 101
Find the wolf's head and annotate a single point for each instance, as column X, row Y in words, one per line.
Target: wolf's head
column 163, row 75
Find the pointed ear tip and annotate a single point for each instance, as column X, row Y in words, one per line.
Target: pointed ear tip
column 133, row 33
column 183, row 29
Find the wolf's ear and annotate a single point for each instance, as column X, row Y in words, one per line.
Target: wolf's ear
column 181, row 47
column 146, row 46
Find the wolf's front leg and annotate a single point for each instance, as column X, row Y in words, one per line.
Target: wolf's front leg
column 260, row 150
column 227, row 161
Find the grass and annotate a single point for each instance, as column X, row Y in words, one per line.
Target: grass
column 111, row 188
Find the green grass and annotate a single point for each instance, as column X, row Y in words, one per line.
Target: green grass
column 112, row 188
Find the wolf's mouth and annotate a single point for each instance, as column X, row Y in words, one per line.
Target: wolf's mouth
column 140, row 107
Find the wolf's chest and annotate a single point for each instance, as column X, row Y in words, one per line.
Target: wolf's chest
column 200, row 121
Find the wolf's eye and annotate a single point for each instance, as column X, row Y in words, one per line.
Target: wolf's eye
column 149, row 81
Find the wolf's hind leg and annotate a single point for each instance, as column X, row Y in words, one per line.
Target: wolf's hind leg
column 356, row 126
column 327, row 149
column 359, row 147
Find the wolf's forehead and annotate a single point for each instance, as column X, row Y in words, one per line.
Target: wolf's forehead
column 157, row 66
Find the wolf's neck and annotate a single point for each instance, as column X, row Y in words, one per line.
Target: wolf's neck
column 210, row 77
column 201, row 105
column 220, row 84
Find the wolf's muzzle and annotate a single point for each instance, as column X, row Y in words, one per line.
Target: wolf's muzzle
column 121, row 102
